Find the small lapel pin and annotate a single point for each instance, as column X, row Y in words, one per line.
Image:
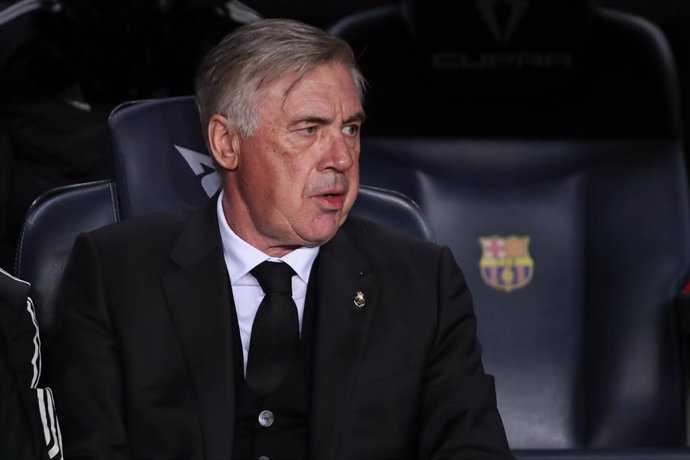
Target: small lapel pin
column 359, row 299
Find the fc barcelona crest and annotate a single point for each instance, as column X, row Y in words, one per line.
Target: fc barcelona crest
column 506, row 264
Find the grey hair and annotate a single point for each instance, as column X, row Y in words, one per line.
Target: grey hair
column 257, row 54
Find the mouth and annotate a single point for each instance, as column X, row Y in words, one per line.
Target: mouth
column 331, row 200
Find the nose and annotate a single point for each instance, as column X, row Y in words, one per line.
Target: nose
column 340, row 152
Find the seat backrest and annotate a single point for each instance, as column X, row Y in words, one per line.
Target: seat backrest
column 574, row 252
column 554, row 171
column 161, row 160
column 51, row 226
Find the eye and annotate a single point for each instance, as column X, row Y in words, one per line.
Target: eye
column 351, row 130
column 308, row 130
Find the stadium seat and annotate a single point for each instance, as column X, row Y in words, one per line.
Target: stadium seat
column 542, row 141
column 574, row 253
column 51, row 225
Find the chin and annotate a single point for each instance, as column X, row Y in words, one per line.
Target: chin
column 321, row 232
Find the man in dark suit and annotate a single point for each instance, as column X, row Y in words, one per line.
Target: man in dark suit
column 266, row 325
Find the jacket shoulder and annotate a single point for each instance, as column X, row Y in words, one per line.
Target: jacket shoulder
column 154, row 227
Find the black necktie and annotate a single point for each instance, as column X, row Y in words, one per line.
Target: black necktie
column 275, row 332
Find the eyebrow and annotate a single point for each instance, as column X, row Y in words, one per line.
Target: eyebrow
column 313, row 119
column 357, row 117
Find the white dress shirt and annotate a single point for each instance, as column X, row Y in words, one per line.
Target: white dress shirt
column 240, row 259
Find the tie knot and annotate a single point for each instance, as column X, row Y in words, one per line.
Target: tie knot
column 274, row 277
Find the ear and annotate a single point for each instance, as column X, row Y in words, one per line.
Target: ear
column 224, row 142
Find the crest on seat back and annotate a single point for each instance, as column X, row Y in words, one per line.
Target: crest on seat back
column 506, row 264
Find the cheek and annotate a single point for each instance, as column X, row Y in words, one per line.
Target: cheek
column 353, row 175
column 288, row 194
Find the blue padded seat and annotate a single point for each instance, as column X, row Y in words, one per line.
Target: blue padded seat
column 53, row 221
column 541, row 140
column 160, row 157
column 585, row 354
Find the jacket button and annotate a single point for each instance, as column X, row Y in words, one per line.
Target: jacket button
column 266, row 418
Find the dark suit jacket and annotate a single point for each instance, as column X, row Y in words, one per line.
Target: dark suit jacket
column 143, row 352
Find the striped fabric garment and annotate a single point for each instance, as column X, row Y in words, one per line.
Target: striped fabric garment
column 22, row 332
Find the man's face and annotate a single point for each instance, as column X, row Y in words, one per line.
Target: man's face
column 298, row 173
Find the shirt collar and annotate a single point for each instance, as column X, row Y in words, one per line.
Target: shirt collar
column 241, row 257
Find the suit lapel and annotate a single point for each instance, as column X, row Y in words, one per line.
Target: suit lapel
column 340, row 334
column 199, row 299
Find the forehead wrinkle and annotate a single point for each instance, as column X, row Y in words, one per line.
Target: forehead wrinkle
column 268, row 87
column 300, row 76
column 302, row 73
